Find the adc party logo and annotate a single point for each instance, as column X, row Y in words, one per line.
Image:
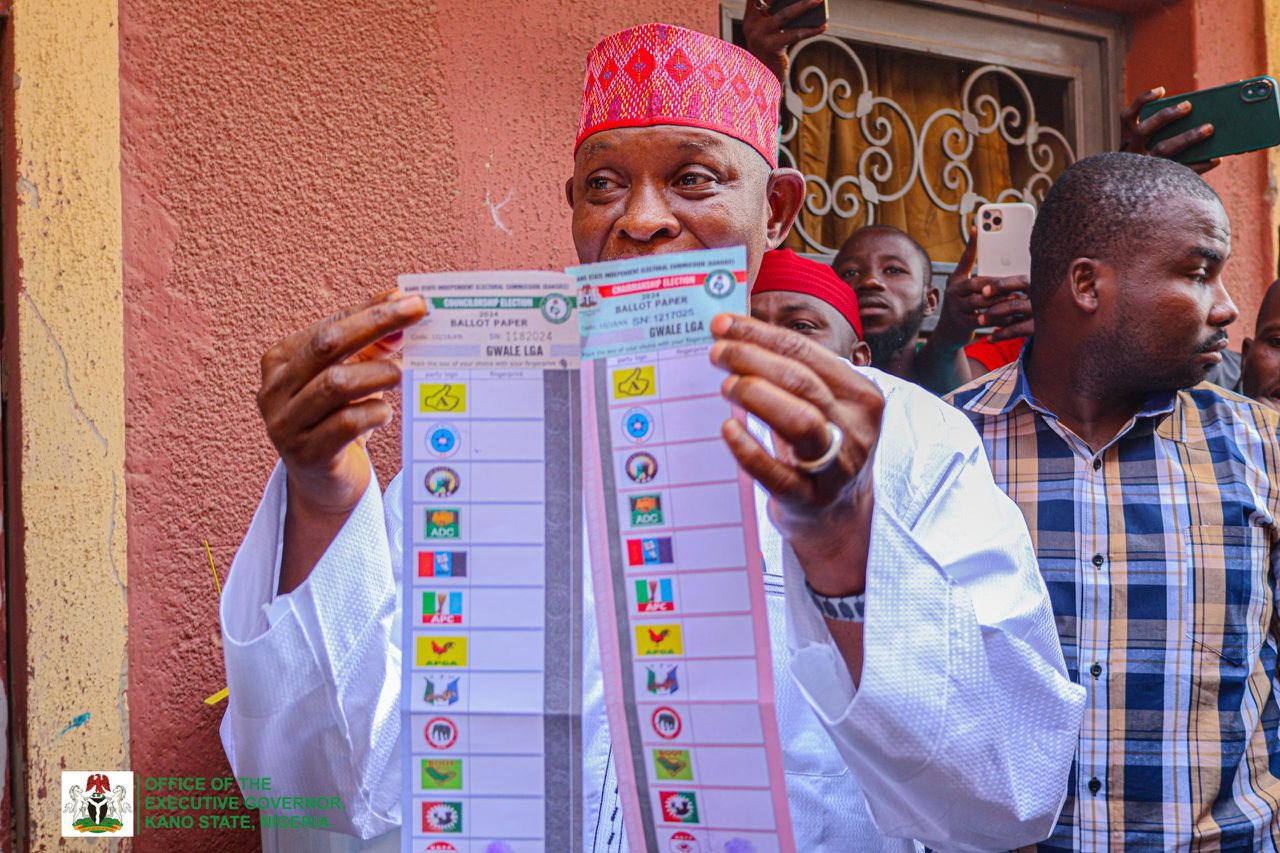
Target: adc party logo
column 97, row 802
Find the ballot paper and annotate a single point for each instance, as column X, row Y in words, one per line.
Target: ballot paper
column 492, row 591
column 676, row 567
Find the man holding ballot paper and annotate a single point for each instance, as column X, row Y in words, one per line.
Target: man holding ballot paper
column 919, row 685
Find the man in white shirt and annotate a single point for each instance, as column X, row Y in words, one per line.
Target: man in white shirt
column 945, row 715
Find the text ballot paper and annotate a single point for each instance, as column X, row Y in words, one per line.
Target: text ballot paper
column 676, row 566
column 492, row 591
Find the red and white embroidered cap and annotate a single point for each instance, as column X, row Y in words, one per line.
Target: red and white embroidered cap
column 662, row 74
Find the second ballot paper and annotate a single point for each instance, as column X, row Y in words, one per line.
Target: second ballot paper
column 675, row 559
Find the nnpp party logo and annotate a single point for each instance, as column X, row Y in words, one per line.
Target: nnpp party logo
column 97, row 802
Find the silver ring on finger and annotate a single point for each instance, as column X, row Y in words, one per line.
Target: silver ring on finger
column 762, row 5
column 828, row 457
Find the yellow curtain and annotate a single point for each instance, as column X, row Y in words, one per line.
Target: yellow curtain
column 831, row 146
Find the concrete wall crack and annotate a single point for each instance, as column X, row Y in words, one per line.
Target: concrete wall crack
column 71, row 392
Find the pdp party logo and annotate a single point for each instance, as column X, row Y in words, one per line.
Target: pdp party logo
column 97, row 802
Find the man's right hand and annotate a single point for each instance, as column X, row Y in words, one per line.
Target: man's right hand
column 766, row 38
column 1135, row 135
column 321, row 396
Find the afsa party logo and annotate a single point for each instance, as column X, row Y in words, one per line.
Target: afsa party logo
column 97, row 802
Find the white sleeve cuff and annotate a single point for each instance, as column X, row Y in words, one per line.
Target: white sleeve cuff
column 823, row 678
column 278, row 648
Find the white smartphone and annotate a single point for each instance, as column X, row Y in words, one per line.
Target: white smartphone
column 1004, row 239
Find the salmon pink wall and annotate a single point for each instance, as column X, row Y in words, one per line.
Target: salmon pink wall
column 1196, row 44
column 281, row 160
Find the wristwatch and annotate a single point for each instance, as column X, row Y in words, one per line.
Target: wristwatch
column 850, row 608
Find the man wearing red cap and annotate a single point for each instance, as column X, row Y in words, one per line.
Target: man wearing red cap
column 919, row 686
column 808, row 297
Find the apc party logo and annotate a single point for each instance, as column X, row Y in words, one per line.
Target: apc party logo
column 97, row 802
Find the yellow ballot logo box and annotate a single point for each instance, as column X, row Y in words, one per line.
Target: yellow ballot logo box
column 659, row 640
column 634, row 382
column 433, row 650
column 436, row 397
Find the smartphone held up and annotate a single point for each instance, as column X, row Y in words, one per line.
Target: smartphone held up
column 815, row 17
column 1004, row 239
column 1245, row 116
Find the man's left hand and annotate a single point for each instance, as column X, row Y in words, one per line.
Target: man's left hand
column 797, row 388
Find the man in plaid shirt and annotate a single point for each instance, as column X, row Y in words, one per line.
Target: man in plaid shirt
column 1152, row 499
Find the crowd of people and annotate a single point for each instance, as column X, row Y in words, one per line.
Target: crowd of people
column 1041, row 611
